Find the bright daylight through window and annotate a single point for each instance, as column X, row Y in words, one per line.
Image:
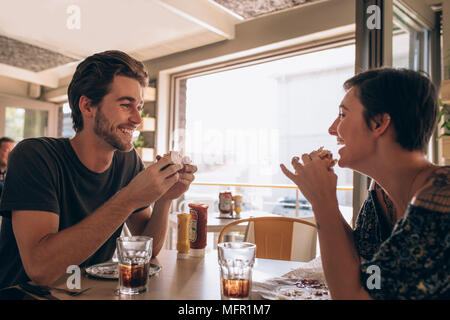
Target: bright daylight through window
column 22, row 123
column 238, row 125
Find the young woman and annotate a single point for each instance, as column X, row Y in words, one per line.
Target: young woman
column 400, row 248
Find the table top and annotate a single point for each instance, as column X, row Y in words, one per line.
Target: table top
column 188, row 279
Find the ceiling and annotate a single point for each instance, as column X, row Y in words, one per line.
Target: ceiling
column 43, row 41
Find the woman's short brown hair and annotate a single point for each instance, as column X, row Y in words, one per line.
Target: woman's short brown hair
column 409, row 97
column 94, row 76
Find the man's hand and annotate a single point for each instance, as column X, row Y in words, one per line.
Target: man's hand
column 186, row 176
column 156, row 226
column 152, row 183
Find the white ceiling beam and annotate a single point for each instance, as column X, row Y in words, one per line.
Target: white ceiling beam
column 205, row 13
column 44, row 79
column 56, row 95
column 60, row 72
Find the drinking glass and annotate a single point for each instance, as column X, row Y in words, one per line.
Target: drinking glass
column 134, row 254
column 236, row 260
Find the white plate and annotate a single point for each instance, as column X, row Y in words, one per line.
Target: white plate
column 110, row 270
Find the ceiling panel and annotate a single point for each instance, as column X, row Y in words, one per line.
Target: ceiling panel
column 42, row 35
column 104, row 25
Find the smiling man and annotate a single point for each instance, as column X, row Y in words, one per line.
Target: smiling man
column 65, row 200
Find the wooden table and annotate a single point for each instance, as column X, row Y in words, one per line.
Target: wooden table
column 190, row 279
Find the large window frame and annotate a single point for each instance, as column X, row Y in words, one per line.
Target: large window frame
column 177, row 78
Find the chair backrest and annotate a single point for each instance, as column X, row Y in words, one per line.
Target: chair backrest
column 274, row 237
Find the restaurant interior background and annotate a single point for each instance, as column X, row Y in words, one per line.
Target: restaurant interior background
column 239, row 86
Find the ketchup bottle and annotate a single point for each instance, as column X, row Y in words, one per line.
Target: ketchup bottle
column 197, row 230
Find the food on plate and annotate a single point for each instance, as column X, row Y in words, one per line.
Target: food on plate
column 306, row 283
column 304, row 289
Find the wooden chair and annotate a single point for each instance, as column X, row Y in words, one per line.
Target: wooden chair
column 275, row 236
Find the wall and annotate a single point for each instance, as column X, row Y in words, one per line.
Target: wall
column 446, row 38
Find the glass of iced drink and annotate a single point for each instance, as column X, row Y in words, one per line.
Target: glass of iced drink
column 236, row 260
column 134, row 255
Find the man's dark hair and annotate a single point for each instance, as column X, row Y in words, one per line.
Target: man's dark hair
column 94, row 76
column 5, row 139
column 409, row 97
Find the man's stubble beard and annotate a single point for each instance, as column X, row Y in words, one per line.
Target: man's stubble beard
column 104, row 130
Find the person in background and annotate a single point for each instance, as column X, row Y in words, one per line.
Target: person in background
column 65, row 200
column 6, row 145
column 400, row 247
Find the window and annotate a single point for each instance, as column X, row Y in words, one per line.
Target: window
column 409, row 43
column 24, row 123
column 411, row 47
column 239, row 124
column 65, row 123
column 22, row 118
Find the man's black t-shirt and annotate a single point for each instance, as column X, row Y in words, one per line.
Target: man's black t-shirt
column 45, row 174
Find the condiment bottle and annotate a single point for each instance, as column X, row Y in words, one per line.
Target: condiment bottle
column 183, row 243
column 225, row 204
column 237, row 204
column 197, row 230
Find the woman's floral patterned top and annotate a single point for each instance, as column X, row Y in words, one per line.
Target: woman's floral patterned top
column 408, row 259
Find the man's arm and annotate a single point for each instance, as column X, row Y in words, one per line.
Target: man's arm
column 155, row 224
column 46, row 253
column 152, row 224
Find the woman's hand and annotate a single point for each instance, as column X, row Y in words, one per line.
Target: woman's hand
column 315, row 178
